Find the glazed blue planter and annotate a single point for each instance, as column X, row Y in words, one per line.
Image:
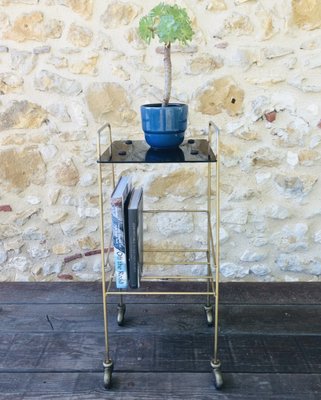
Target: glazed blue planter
column 164, row 127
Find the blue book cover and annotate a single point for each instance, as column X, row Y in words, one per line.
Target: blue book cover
column 119, row 201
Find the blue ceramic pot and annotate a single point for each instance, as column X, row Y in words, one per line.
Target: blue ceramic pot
column 164, row 127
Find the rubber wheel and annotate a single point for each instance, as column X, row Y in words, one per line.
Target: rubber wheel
column 121, row 309
column 209, row 315
column 218, row 379
column 107, row 378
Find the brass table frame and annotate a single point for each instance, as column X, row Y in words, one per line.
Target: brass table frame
column 213, row 258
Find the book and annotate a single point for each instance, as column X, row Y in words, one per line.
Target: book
column 135, row 237
column 119, row 201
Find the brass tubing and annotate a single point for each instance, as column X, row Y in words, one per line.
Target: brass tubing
column 209, row 213
column 175, row 251
column 199, row 278
column 134, row 293
column 102, row 244
column 217, row 254
column 172, row 211
column 176, row 263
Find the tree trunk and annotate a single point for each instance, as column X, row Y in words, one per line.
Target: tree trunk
column 168, row 74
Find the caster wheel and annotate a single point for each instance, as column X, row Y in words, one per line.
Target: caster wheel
column 218, row 379
column 108, row 375
column 209, row 315
column 121, row 309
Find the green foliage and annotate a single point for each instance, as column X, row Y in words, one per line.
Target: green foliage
column 169, row 23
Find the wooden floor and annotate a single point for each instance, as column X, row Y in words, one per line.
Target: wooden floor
column 52, row 343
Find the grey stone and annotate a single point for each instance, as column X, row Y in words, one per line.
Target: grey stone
column 276, row 211
column 48, row 151
column 23, row 61
column 59, row 110
column 237, row 216
column 317, row 237
column 23, row 217
column 52, row 267
column 289, row 262
column 277, row 51
column 291, row 238
column 315, row 141
column 174, row 223
column 294, row 186
column 77, row 113
column 50, row 82
column 20, row 263
column 252, row 256
column 71, row 228
column 307, row 84
column 8, row 231
column 88, row 179
column 231, row 270
column 34, row 200
column 260, row 105
column 261, row 157
column 313, row 62
column 79, row 266
column 3, row 254
column 262, row 177
column 260, row 269
column 292, row 158
column 260, row 241
column 38, row 251
column 314, row 268
column 42, row 50
column 88, row 212
column 33, row 233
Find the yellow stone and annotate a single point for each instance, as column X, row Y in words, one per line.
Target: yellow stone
column 307, row 13
column 67, row 174
column 87, row 66
column 216, row 5
column 33, row 27
column 238, row 24
column 110, row 102
column 180, row 183
column 82, row 7
column 20, row 168
column 87, row 243
column 60, row 249
column 22, row 115
column 218, row 95
column 204, row 64
column 10, row 83
column 118, row 14
column 17, row 139
column 307, row 155
column 79, row 36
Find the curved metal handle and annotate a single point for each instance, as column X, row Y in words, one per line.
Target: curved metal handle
column 212, row 126
column 100, row 130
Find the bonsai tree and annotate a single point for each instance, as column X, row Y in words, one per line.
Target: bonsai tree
column 170, row 24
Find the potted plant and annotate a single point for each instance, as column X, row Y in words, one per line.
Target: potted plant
column 164, row 124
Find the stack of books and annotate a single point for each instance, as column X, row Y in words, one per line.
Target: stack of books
column 127, row 227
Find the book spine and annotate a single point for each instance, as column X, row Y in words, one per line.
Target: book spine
column 121, row 275
column 133, row 249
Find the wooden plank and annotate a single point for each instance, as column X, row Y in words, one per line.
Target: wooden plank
column 231, row 292
column 176, row 318
column 74, row 352
column 159, row 386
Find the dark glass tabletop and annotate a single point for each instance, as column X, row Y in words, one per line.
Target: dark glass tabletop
column 138, row 151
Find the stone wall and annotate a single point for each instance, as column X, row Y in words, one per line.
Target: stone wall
column 66, row 66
